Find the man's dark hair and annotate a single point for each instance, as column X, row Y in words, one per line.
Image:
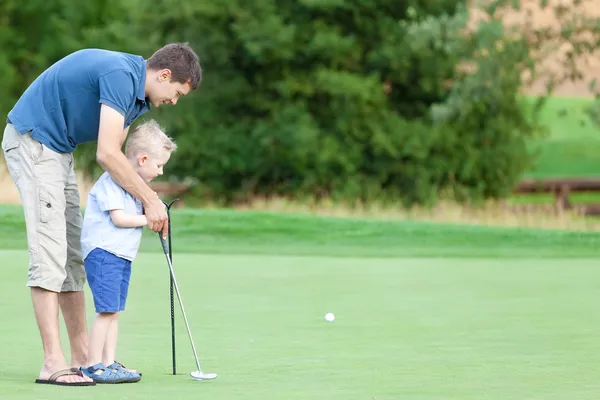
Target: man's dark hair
column 181, row 60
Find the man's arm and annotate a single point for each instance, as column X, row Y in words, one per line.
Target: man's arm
column 122, row 220
column 111, row 137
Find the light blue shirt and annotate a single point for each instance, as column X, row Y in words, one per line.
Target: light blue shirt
column 98, row 230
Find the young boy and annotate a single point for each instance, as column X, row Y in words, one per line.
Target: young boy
column 110, row 238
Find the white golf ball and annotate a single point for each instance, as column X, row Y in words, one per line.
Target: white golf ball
column 329, row 317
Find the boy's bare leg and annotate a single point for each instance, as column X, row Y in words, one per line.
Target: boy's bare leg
column 110, row 347
column 45, row 306
column 72, row 305
column 98, row 336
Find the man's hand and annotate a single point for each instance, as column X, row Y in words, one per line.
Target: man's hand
column 157, row 217
column 111, row 137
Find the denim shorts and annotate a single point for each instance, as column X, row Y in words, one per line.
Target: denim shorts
column 108, row 278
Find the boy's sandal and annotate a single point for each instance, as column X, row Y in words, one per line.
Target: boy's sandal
column 130, row 376
column 52, row 380
column 107, row 375
column 122, row 366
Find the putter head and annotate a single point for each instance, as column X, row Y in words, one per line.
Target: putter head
column 203, row 376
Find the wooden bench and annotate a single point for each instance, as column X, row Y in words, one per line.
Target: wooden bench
column 561, row 189
column 171, row 191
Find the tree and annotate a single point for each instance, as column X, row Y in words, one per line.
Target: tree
column 349, row 99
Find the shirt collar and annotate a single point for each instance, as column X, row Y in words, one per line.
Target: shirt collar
column 141, row 95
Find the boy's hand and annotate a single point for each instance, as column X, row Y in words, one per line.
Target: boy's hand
column 157, row 217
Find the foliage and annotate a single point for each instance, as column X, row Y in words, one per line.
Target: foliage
column 348, row 99
column 354, row 100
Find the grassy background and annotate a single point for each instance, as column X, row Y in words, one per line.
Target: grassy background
column 573, row 146
column 423, row 311
column 264, row 233
column 572, row 149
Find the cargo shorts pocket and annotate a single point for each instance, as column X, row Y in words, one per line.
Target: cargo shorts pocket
column 12, row 159
column 46, row 207
column 8, row 146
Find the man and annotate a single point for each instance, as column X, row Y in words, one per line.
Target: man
column 90, row 95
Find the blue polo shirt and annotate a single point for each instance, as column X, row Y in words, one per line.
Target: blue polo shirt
column 61, row 107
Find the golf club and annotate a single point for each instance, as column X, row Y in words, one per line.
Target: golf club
column 197, row 375
column 168, row 206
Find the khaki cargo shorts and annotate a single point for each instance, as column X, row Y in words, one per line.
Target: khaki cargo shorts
column 50, row 198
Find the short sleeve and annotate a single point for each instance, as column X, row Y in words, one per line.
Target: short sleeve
column 109, row 195
column 116, row 90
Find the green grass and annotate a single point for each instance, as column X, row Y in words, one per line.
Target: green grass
column 545, row 198
column 226, row 232
column 573, row 147
column 423, row 311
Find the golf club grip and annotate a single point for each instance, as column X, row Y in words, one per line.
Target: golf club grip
column 164, row 243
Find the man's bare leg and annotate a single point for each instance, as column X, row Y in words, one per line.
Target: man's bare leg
column 72, row 305
column 45, row 306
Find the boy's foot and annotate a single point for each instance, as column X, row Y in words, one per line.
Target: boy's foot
column 130, row 376
column 100, row 374
column 127, row 369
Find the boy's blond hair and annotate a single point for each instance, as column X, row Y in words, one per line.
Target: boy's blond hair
column 149, row 138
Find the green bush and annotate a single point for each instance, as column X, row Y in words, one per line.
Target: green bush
column 36, row 33
column 349, row 99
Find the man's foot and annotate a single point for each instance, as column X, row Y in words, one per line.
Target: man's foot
column 78, row 362
column 63, row 376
